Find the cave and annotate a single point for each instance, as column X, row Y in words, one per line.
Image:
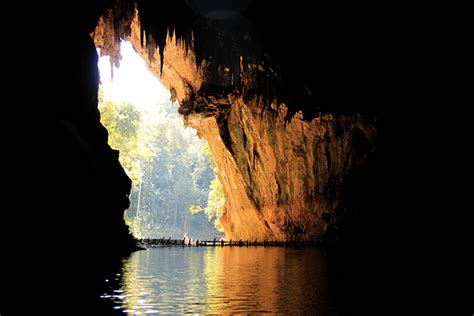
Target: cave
column 281, row 153
column 282, row 93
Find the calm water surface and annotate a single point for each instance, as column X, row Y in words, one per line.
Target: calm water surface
column 215, row 280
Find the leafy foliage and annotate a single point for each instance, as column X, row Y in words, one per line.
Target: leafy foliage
column 171, row 169
column 122, row 121
column 216, row 199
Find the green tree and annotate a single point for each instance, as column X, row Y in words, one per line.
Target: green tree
column 216, row 198
column 170, row 171
column 122, row 121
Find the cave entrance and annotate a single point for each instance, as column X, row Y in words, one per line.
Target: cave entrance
column 175, row 192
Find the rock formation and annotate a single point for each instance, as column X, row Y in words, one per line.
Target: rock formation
column 282, row 172
column 287, row 94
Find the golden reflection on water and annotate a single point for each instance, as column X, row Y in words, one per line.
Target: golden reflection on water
column 215, row 280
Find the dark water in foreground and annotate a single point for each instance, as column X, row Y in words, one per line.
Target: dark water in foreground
column 215, row 280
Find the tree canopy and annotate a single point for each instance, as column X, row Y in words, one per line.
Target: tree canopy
column 171, row 169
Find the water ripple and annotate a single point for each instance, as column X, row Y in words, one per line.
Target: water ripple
column 217, row 280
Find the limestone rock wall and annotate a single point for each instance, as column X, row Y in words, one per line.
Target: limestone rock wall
column 282, row 173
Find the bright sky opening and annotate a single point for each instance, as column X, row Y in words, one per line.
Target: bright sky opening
column 132, row 81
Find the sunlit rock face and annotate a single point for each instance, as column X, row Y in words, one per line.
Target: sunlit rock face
column 282, row 169
column 282, row 179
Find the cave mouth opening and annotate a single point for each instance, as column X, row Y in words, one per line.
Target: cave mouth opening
column 176, row 192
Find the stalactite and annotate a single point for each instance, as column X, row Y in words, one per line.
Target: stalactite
column 282, row 165
column 151, row 47
column 161, row 47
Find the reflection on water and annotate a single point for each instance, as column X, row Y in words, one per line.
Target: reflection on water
column 219, row 280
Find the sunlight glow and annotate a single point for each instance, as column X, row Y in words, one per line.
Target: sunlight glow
column 160, row 154
column 132, row 81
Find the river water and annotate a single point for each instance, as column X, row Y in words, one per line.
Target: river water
column 222, row 280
